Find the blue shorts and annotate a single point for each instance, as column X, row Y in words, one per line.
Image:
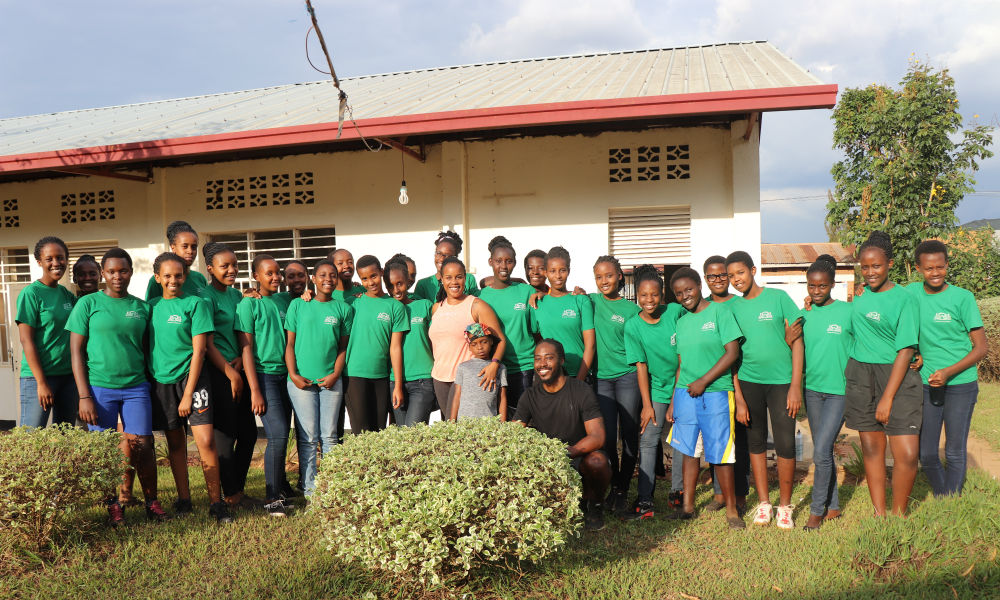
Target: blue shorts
column 711, row 415
column 133, row 404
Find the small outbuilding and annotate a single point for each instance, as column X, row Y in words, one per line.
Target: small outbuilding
column 784, row 266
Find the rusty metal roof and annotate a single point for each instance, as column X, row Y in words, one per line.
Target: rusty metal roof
column 776, row 255
column 599, row 76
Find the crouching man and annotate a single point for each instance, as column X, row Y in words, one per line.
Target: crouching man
column 566, row 408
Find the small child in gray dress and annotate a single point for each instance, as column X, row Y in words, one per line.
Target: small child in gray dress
column 471, row 401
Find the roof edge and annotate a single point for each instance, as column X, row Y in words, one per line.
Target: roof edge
column 528, row 115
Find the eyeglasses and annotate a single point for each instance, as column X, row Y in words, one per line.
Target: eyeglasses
column 720, row 277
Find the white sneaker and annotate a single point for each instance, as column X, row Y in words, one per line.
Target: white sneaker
column 785, row 517
column 762, row 514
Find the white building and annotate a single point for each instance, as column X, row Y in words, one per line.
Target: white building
column 650, row 155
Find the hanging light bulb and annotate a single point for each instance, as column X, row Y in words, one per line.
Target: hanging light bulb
column 404, row 199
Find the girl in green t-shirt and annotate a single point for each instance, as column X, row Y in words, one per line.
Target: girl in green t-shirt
column 347, row 289
column 447, row 244
column 951, row 342
column 884, row 396
column 534, row 270
column 418, row 357
column 260, row 322
column 183, row 240
column 617, row 381
column 42, row 310
column 234, row 423
column 179, row 328
column 86, row 275
column 509, row 300
column 566, row 317
column 108, row 349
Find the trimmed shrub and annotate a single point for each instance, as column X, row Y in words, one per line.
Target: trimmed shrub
column 47, row 473
column 430, row 504
column 989, row 367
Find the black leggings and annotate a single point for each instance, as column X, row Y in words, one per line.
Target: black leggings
column 762, row 399
column 235, row 432
column 368, row 403
column 444, row 391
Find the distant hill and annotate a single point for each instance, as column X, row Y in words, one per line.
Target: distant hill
column 980, row 223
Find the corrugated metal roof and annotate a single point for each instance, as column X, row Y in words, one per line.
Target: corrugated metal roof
column 632, row 74
column 803, row 254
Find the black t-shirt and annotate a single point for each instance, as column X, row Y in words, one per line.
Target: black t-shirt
column 560, row 415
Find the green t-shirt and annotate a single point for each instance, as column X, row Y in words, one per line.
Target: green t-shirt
column 766, row 356
column 511, row 306
column 46, row 310
column 264, row 318
column 193, row 285
column 427, row 288
column 946, row 318
column 173, row 324
column 348, row 296
column 318, row 327
column 114, row 328
column 375, row 320
column 610, row 317
column 701, row 342
column 656, row 345
column 564, row 319
column 223, row 307
column 827, row 334
column 418, row 358
column 884, row 323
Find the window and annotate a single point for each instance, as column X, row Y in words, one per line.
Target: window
column 307, row 245
column 97, row 250
column 15, row 273
column 656, row 235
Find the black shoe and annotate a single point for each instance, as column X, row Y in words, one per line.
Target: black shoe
column 183, row 507
column 617, row 502
column 276, row 508
column 641, row 512
column 220, row 511
column 594, row 517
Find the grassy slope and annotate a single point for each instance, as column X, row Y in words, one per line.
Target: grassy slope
column 262, row 558
column 986, row 416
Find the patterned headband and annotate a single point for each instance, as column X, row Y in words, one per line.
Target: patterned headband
column 476, row 331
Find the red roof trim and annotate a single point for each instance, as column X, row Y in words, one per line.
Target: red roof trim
column 557, row 113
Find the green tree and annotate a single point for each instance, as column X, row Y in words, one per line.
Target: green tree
column 908, row 161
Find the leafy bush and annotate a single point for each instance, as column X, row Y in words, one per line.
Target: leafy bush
column 989, row 367
column 431, row 503
column 47, row 473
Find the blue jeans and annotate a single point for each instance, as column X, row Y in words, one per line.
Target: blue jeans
column 317, row 410
column 277, row 420
column 826, row 417
column 65, row 403
column 648, row 444
column 418, row 402
column 621, row 406
column 955, row 413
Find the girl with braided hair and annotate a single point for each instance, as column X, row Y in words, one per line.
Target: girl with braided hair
column 183, row 241
column 448, row 244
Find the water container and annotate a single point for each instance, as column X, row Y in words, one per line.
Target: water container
column 798, row 444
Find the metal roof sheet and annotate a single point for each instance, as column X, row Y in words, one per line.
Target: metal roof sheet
column 598, row 76
column 804, row 254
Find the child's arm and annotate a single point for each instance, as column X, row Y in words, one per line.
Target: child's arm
column 455, row 402
column 503, row 403
column 257, row 404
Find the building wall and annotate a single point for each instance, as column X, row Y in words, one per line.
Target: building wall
column 539, row 192
column 793, row 281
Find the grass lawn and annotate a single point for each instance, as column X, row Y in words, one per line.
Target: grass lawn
column 986, row 416
column 947, row 549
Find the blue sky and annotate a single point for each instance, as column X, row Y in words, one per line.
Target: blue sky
column 85, row 54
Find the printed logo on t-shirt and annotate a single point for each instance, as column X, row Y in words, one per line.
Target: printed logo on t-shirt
column 133, row 314
column 942, row 316
column 520, row 306
column 765, row 316
column 281, row 315
column 416, row 321
column 569, row 313
column 618, row 319
column 174, row 319
column 68, row 306
column 873, row 316
column 330, row 320
column 708, row 326
column 834, row 328
column 382, row 316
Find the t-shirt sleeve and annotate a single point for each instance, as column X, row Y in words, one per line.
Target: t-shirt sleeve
column 27, row 308
column 201, row 318
column 153, row 289
column 788, row 307
column 586, row 313
column 908, row 326
column 471, row 287
column 399, row 321
column 348, row 320
column 79, row 319
column 523, row 412
column 502, row 376
column 460, row 375
column 675, row 311
column 533, row 325
column 635, row 352
column 970, row 312
column 589, row 408
column 244, row 317
column 729, row 329
column 292, row 315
